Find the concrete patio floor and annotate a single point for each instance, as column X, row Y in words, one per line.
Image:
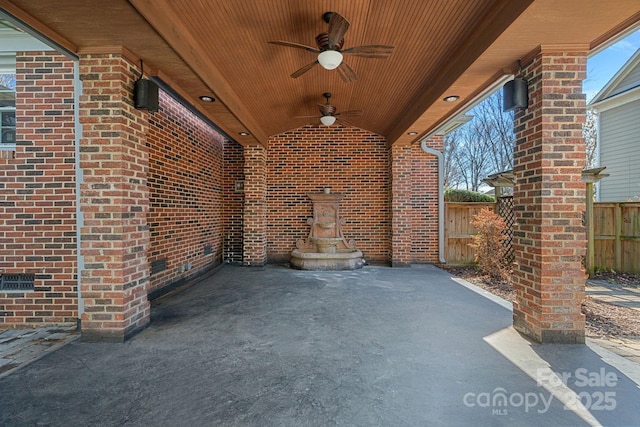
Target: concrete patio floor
column 280, row 347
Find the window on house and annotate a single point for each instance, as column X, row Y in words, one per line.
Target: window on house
column 7, row 113
column 12, row 39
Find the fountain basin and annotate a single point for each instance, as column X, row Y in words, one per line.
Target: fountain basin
column 326, row 225
column 341, row 259
column 326, row 245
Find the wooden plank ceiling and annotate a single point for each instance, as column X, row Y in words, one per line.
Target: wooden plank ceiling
column 220, row 48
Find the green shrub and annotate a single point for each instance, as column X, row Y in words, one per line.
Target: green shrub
column 455, row 195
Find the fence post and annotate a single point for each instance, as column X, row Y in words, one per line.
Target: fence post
column 618, row 241
column 591, row 244
column 497, row 193
column 590, row 177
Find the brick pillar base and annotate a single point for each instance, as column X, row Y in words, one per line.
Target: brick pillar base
column 255, row 202
column 549, row 198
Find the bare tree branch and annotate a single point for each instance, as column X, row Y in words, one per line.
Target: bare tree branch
column 481, row 147
column 590, row 133
column 7, row 81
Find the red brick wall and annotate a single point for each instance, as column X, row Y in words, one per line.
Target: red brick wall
column 186, row 191
column 37, row 195
column 401, row 209
column 181, row 156
column 549, row 199
column 114, row 200
column 414, row 204
column 351, row 161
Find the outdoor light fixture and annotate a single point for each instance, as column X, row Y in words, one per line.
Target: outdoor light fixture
column 243, row 133
column 515, row 93
column 330, row 59
column 451, row 98
column 328, row 120
column 145, row 93
column 412, row 133
column 206, row 98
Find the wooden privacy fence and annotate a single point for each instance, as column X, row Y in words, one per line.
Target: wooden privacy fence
column 458, row 231
column 616, row 233
column 617, row 236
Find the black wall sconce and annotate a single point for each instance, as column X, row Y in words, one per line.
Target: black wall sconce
column 145, row 93
column 515, row 93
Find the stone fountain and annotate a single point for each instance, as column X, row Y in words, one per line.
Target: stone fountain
column 326, row 248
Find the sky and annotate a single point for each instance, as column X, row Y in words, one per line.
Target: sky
column 602, row 66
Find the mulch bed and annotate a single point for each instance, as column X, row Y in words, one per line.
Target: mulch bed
column 603, row 320
column 622, row 279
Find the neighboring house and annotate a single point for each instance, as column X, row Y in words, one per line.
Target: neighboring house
column 618, row 106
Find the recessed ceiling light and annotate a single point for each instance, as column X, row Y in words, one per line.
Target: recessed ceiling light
column 206, row 98
column 451, row 98
column 244, row 133
column 412, row 133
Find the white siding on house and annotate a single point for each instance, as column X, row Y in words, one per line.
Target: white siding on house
column 620, row 152
column 630, row 81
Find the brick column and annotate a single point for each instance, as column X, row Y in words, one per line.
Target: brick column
column 549, row 198
column 114, row 201
column 401, row 212
column 424, row 200
column 233, row 202
column 255, row 206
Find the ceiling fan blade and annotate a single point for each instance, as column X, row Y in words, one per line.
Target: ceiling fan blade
column 346, row 73
column 307, row 117
column 371, row 51
column 296, row 45
column 304, row 69
column 338, row 26
column 350, row 113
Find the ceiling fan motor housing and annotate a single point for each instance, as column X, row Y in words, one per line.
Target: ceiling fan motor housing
column 328, row 110
column 322, row 40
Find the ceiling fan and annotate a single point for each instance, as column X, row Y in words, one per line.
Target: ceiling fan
column 330, row 53
column 328, row 113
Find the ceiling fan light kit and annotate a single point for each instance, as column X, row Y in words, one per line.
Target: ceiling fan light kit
column 328, row 115
column 328, row 120
column 330, row 59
